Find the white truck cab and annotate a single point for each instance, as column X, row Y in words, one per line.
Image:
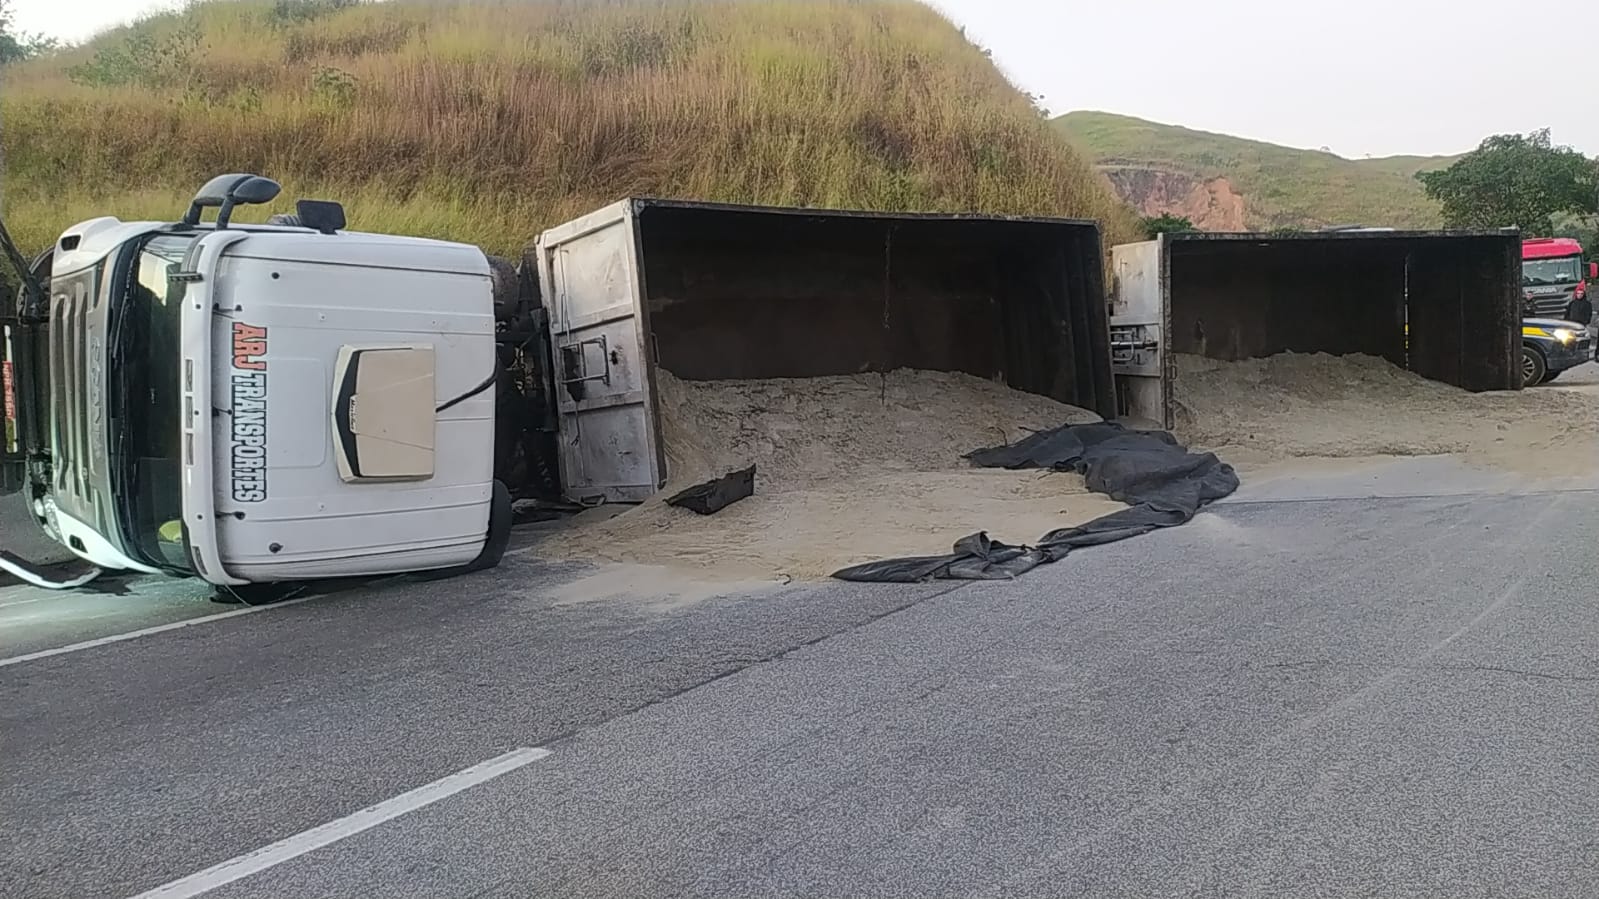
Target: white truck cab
column 266, row 403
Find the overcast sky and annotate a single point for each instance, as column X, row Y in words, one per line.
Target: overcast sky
column 1376, row 77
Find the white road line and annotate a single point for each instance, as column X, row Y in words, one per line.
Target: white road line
column 333, row 831
column 158, row 629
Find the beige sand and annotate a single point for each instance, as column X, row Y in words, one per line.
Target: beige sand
column 1262, row 411
column 849, row 469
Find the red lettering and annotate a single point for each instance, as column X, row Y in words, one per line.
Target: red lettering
column 249, row 345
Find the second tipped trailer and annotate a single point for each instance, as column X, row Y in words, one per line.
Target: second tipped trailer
column 257, row 404
column 1445, row 305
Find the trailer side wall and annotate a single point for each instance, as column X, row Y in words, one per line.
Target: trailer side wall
column 1465, row 312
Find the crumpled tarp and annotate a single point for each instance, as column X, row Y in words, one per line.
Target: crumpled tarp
column 714, row 495
column 1162, row 482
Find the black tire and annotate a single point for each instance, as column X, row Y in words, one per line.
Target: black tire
column 1551, row 375
column 1533, row 367
column 507, row 288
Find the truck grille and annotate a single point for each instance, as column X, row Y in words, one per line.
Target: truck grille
column 1551, row 307
column 70, row 439
column 1550, row 302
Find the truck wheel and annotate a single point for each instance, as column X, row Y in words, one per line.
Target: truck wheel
column 507, row 288
column 499, row 531
column 1533, row 368
column 1551, row 375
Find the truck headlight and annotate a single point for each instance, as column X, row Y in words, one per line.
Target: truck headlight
column 1565, row 335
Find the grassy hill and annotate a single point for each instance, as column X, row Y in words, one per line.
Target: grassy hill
column 1280, row 186
column 487, row 121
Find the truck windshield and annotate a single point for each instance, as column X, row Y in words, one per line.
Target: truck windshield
column 1551, row 271
column 146, row 402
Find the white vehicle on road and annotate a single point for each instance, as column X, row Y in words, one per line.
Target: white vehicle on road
column 258, row 403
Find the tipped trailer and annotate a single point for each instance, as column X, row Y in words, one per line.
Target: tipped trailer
column 1445, row 305
column 269, row 404
column 716, row 292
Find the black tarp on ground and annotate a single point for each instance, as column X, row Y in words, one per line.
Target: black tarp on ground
column 1162, row 482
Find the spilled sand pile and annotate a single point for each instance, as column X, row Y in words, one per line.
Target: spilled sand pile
column 1289, row 406
column 849, row 469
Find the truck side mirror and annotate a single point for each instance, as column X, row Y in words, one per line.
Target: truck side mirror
column 325, row 216
column 226, row 191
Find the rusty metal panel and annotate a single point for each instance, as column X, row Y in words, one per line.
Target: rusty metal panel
column 604, row 386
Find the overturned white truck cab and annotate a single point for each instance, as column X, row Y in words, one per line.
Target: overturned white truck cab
column 257, row 403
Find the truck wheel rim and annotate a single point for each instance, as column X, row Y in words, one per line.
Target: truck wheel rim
column 1528, row 367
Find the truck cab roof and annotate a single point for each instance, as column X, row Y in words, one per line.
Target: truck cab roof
column 1550, row 248
column 87, row 243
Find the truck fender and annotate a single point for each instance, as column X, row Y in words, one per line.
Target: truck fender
column 499, row 532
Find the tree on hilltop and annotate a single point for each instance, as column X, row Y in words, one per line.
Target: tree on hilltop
column 1514, row 180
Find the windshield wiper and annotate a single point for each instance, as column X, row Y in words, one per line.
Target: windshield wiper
column 120, row 332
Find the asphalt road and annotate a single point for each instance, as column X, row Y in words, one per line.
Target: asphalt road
column 1583, row 376
column 1371, row 682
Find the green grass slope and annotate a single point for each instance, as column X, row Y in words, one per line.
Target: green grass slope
column 488, row 120
column 1281, row 186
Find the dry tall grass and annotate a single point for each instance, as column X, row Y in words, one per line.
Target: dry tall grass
column 487, row 120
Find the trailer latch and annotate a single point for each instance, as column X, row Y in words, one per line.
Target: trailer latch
column 1134, row 345
column 575, row 361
